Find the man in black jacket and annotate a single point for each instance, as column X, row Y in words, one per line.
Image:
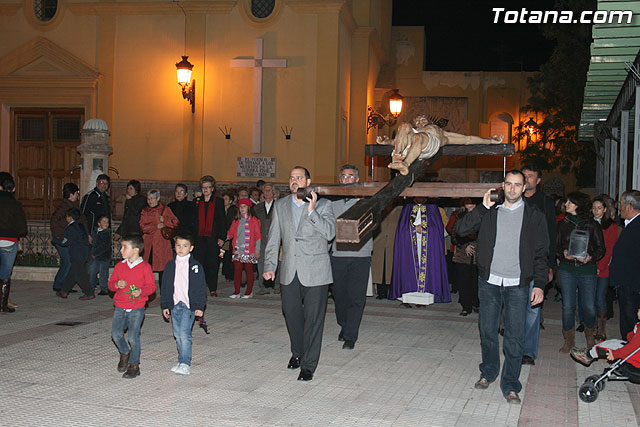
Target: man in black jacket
column 512, row 252
column 624, row 268
column 533, row 176
column 96, row 203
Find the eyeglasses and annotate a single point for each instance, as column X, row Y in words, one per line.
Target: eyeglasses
column 207, row 187
column 103, row 182
column 350, row 176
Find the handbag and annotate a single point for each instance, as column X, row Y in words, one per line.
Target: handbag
column 167, row 232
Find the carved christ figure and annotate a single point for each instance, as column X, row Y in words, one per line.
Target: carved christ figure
column 423, row 140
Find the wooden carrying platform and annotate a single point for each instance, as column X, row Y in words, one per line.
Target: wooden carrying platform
column 363, row 217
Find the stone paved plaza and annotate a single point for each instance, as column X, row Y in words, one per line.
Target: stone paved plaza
column 410, row 367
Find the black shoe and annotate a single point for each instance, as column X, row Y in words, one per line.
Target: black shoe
column 580, row 328
column 103, row 293
column 294, row 363
column 348, row 344
column 72, row 291
column 527, row 360
column 133, row 370
column 305, row 375
column 464, row 313
column 340, row 337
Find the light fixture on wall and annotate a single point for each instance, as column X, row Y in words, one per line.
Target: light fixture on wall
column 375, row 119
column 286, row 131
column 184, row 80
column 226, row 132
column 531, row 126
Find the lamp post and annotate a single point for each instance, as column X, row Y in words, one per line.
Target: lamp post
column 375, row 119
column 184, row 69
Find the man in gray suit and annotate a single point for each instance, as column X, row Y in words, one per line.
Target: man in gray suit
column 305, row 228
column 263, row 211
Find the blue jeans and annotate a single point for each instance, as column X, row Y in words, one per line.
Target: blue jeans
column 98, row 266
column 65, row 265
column 7, row 258
column 602, row 286
column 532, row 328
column 515, row 300
column 132, row 321
column 182, row 320
column 586, row 287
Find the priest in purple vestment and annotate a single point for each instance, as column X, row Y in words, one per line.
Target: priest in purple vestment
column 419, row 263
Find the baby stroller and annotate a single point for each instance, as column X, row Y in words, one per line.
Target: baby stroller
column 593, row 385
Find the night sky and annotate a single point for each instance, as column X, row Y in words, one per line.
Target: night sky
column 461, row 35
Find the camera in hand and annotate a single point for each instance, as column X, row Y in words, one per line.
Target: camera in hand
column 497, row 195
column 303, row 193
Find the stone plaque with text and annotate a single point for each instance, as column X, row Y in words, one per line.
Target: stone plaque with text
column 259, row 167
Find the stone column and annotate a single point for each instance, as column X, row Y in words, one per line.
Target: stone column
column 94, row 150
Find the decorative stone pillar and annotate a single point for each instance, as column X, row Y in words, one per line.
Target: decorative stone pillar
column 94, row 150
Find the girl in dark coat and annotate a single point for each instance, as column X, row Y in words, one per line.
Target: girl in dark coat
column 132, row 207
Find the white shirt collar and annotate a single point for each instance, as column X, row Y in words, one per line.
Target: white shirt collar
column 134, row 263
column 513, row 207
column 628, row 221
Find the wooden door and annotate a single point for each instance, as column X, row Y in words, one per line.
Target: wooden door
column 45, row 145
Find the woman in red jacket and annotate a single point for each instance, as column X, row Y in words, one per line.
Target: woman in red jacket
column 245, row 235
column 603, row 210
column 154, row 217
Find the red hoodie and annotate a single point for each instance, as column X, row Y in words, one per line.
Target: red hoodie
column 633, row 342
column 141, row 276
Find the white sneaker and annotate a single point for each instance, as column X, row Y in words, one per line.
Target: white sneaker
column 234, row 296
column 175, row 368
column 183, row 369
column 247, row 296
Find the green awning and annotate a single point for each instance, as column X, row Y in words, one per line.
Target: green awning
column 613, row 46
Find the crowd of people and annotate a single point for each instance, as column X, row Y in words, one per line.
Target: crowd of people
column 500, row 257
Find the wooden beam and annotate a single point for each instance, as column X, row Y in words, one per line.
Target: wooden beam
column 419, row 189
column 450, row 150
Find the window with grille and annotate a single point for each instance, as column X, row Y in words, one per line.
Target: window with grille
column 66, row 129
column 31, row 129
column 262, row 8
column 45, row 10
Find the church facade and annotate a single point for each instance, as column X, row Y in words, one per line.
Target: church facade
column 63, row 62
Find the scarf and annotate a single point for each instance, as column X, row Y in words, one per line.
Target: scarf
column 247, row 235
column 205, row 225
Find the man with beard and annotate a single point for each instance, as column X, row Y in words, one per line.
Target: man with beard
column 512, row 251
column 304, row 227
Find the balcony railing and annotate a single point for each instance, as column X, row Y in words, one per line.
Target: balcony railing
column 36, row 249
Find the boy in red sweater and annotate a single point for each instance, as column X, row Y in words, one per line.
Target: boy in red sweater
column 615, row 349
column 132, row 281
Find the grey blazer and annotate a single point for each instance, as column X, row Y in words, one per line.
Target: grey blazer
column 260, row 212
column 305, row 250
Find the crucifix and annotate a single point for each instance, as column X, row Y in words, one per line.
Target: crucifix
column 357, row 223
column 257, row 63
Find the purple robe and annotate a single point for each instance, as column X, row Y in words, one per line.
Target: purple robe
column 406, row 270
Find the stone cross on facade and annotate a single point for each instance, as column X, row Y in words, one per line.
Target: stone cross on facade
column 258, row 63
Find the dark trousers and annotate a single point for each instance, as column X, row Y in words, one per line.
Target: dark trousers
column 466, row 281
column 492, row 299
column 304, row 309
column 207, row 252
column 629, row 301
column 350, row 279
column 78, row 274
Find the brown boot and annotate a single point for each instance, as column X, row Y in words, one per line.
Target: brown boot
column 5, row 287
column 589, row 334
column 124, row 361
column 133, row 370
column 569, row 340
column 602, row 327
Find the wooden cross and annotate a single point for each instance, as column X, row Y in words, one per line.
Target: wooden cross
column 357, row 223
column 258, row 63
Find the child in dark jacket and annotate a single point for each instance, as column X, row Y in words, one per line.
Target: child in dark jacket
column 77, row 239
column 100, row 255
column 132, row 281
column 184, row 296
